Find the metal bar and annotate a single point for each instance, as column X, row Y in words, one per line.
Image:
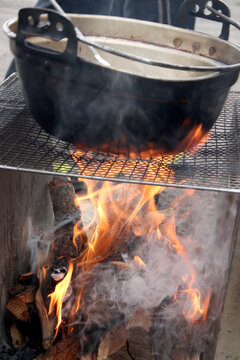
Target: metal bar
column 224, row 17
column 25, row 146
column 182, row 186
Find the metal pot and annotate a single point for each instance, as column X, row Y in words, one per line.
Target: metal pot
column 128, row 107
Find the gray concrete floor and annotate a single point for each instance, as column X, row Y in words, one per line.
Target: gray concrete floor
column 9, row 9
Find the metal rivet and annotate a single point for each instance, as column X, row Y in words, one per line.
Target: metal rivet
column 196, row 47
column 177, row 42
column 212, row 51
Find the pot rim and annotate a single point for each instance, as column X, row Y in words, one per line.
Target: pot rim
column 213, row 74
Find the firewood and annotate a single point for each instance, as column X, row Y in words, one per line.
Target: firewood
column 63, row 194
column 18, row 308
column 132, row 334
column 68, row 348
column 89, row 357
column 67, row 215
column 16, row 336
column 16, row 289
column 47, row 324
column 18, row 304
column 112, row 342
column 141, row 319
column 26, row 279
column 122, row 265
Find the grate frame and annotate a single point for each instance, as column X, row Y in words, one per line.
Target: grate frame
column 25, row 146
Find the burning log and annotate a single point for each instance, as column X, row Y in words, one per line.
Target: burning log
column 47, row 325
column 69, row 346
column 67, row 215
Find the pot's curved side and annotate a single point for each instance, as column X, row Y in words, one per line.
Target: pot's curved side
column 116, row 112
column 111, row 110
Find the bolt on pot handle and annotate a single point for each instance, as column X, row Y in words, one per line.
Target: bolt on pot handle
column 48, row 24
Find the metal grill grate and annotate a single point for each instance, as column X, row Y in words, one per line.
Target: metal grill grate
column 25, row 146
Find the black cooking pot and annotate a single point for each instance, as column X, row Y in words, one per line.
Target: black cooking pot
column 128, row 107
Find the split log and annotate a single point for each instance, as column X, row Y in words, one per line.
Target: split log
column 68, row 348
column 128, row 338
column 16, row 335
column 47, row 324
column 133, row 340
column 18, row 304
column 26, row 279
column 112, row 342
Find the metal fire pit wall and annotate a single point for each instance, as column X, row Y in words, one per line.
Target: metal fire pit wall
column 25, row 146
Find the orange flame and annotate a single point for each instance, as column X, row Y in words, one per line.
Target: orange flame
column 57, row 296
column 44, row 272
column 195, row 308
column 196, row 305
column 196, row 136
column 139, row 261
column 121, row 210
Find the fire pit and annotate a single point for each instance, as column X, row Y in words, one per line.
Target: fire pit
column 131, row 270
column 113, row 286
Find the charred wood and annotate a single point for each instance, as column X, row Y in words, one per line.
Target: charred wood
column 67, row 215
column 68, row 348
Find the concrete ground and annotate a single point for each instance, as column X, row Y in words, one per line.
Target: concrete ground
column 9, row 9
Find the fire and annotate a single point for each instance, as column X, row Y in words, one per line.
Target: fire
column 125, row 211
column 195, row 138
column 195, row 308
column 196, row 304
column 122, row 210
column 57, row 296
column 139, row 261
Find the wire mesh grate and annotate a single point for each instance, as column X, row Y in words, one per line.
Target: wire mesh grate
column 25, row 146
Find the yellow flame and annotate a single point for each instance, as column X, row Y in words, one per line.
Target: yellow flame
column 139, row 261
column 58, row 295
column 122, row 210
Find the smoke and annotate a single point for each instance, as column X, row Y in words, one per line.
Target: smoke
column 194, row 253
column 39, row 243
column 204, row 264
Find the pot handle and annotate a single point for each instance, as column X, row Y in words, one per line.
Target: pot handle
column 49, row 24
column 199, row 8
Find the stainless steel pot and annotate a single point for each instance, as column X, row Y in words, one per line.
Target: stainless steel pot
column 128, row 107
